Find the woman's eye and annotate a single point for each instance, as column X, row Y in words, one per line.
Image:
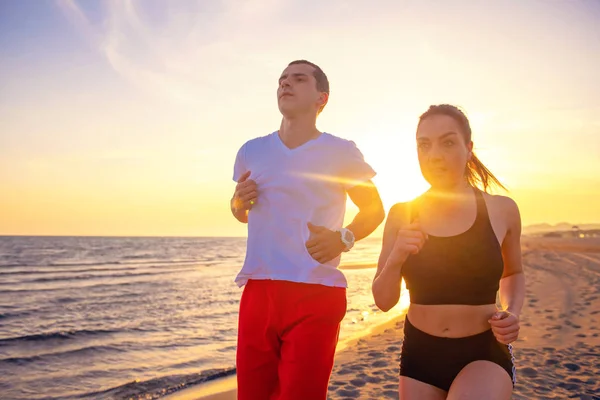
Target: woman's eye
column 448, row 143
column 423, row 146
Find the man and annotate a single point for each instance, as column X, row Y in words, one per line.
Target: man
column 291, row 191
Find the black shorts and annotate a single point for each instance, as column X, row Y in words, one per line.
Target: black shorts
column 437, row 360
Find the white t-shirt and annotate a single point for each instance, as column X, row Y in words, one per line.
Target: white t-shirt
column 296, row 186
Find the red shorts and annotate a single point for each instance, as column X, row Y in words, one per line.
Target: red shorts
column 287, row 336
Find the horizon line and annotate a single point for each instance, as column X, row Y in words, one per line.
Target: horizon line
column 5, row 235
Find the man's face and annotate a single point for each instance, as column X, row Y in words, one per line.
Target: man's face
column 297, row 91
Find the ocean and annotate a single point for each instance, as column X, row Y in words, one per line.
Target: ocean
column 132, row 318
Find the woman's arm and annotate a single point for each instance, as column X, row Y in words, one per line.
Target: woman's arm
column 388, row 278
column 512, row 284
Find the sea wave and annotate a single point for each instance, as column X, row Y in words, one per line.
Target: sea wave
column 158, row 387
column 47, row 357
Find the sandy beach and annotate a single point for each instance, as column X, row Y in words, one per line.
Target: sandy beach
column 557, row 355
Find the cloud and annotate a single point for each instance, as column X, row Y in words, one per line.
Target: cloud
column 76, row 16
column 185, row 50
column 188, row 52
column 173, row 50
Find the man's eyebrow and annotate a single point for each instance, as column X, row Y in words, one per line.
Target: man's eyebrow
column 445, row 135
column 295, row 75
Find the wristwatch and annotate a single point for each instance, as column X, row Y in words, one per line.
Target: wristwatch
column 347, row 238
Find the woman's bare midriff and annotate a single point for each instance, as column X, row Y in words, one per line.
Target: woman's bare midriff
column 451, row 321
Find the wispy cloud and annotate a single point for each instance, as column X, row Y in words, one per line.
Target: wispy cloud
column 184, row 51
column 78, row 18
column 178, row 53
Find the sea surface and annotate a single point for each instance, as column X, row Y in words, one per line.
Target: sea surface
column 132, row 318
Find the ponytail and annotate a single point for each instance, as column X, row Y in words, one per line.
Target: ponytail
column 479, row 176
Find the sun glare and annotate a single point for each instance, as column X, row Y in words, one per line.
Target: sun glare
column 404, row 301
column 399, row 177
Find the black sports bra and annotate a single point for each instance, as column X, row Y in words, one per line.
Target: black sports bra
column 461, row 269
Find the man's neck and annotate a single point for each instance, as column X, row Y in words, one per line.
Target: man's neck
column 294, row 132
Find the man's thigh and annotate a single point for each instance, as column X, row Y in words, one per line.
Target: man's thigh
column 258, row 346
column 309, row 343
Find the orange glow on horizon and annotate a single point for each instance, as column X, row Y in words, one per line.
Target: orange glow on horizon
column 131, row 126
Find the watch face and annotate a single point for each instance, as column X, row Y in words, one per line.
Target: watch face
column 347, row 236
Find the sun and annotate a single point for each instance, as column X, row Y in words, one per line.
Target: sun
column 399, row 177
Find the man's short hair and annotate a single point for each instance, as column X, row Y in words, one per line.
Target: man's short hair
column 320, row 77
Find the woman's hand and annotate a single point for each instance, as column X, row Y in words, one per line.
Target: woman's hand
column 409, row 240
column 505, row 326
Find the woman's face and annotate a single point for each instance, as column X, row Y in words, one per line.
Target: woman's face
column 443, row 153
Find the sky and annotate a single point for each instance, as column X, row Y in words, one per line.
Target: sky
column 124, row 117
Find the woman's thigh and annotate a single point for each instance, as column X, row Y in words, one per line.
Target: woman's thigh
column 412, row 389
column 481, row 380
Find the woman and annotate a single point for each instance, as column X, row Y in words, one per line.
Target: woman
column 456, row 247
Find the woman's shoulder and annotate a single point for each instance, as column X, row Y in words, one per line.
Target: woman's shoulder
column 403, row 212
column 399, row 208
column 502, row 204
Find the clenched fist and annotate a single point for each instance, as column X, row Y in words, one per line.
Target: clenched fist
column 323, row 244
column 505, row 326
column 409, row 240
column 245, row 194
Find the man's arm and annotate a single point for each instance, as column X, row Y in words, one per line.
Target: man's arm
column 239, row 214
column 325, row 244
column 370, row 210
column 244, row 197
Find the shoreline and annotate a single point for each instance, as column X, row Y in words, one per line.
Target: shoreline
column 226, row 388
column 217, row 389
column 357, row 266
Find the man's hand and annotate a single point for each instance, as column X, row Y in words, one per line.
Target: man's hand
column 245, row 194
column 324, row 244
column 505, row 326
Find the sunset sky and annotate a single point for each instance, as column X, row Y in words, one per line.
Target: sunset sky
column 124, row 117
